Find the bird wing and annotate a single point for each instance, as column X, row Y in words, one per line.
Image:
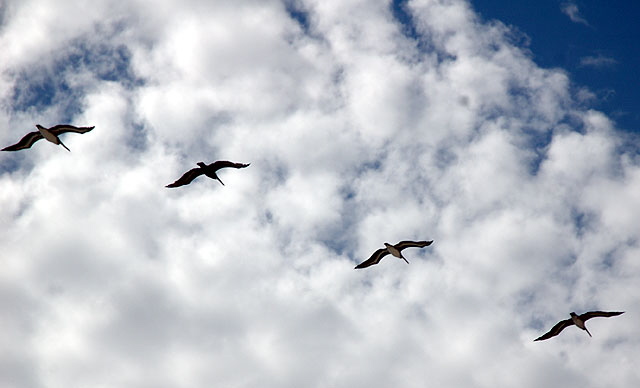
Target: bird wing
column 374, row 259
column 555, row 330
column 225, row 163
column 62, row 128
column 593, row 314
column 409, row 244
column 26, row 142
column 187, row 177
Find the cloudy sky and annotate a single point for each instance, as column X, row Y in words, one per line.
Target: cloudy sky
column 364, row 122
column 594, row 40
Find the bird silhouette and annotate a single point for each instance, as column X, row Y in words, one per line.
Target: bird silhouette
column 206, row 169
column 578, row 320
column 395, row 250
column 50, row 134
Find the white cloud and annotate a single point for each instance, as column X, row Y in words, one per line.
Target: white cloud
column 356, row 136
column 573, row 12
column 598, row 61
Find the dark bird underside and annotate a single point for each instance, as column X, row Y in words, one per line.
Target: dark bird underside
column 382, row 252
column 204, row 169
column 555, row 330
column 32, row 137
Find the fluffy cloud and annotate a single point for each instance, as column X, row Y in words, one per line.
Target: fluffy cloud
column 357, row 134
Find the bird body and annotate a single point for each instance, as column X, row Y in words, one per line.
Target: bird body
column 205, row 169
column 47, row 134
column 578, row 320
column 575, row 318
column 394, row 250
column 50, row 134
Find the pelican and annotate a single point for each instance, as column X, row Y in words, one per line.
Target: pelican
column 50, row 134
column 395, row 250
column 577, row 320
column 208, row 170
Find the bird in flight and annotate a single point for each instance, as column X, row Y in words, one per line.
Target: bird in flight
column 395, row 250
column 206, row 169
column 50, row 134
column 578, row 320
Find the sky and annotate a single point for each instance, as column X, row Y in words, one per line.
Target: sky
column 364, row 122
column 593, row 40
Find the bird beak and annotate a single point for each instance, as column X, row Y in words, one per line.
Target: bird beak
column 220, row 181
column 405, row 260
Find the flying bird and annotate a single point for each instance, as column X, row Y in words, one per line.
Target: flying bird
column 395, row 250
column 208, row 170
column 50, row 134
column 577, row 320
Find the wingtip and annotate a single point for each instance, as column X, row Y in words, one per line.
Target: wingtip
column 541, row 338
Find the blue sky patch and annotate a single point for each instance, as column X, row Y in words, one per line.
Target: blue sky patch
column 403, row 16
column 297, row 13
column 601, row 53
column 38, row 88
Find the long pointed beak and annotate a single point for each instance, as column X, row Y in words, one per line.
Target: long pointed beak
column 219, row 180
column 405, row 259
column 587, row 330
column 62, row 144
